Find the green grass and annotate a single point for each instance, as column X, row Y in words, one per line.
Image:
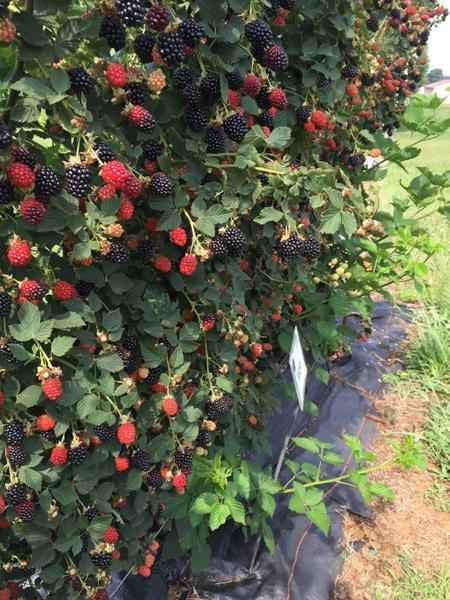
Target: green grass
column 416, row 585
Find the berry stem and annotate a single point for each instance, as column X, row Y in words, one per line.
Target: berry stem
column 192, row 226
column 114, row 406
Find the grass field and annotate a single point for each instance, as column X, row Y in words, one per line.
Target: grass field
column 428, row 361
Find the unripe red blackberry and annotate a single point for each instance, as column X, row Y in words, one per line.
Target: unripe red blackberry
column 32, row 210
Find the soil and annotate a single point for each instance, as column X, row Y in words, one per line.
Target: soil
column 410, row 525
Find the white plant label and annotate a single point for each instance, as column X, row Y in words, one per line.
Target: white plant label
column 298, row 366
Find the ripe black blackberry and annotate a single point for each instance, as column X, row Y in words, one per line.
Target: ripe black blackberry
column 215, row 140
column 84, row 288
column 323, row 82
column 235, row 241
column 14, row 432
column 259, row 34
column 152, row 149
column 161, row 185
column 25, row 511
column 210, row 89
column 265, row 119
column 141, row 460
column 5, row 304
column 80, row 80
column 131, row 12
column 171, row 48
column 182, row 76
column 154, row 479
column 17, row 455
column 235, row 127
column 77, row 455
column 263, row 179
column 349, row 72
column 5, row 137
column 3, row 6
column 311, row 248
column 204, row 439
column 158, row 17
column 288, row 4
column 367, row 79
column 276, row 58
column 7, row 358
column 25, row 155
column 154, row 375
column 183, row 459
column 372, row 23
column 235, row 79
column 104, row 432
column 102, row 560
column 191, row 32
column 130, row 343
column 143, row 46
column 48, row 436
column 217, row 409
column 146, row 250
column 6, row 192
column 48, row 182
column 262, row 99
column 113, row 31
column 290, row 248
column 303, row 113
column 356, row 160
column 191, row 93
column 196, row 118
column 129, row 359
column 104, row 152
column 137, row 93
column 118, row 253
column 78, row 180
column 395, row 13
column 16, row 494
column 91, row 513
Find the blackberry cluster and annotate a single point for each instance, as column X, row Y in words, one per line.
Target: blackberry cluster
column 219, row 408
column 17, row 455
column 210, row 89
column 143, row 46
column 77, row 455
column 137, row 93
column 102, row 560
column 215, row 140
column 80, row 80
column 118, row 253
column 16, row 494
column 154, row 479
column 131, row 12
column 303, row 113
column 181, row 78
column 152, row 150
column 204, row 439
column 235, row 80
column 5, row 137
column 78, row 180
column 235, row 127
column 6, row 192
column 349, row 72
column 146, row 250
column 171, row 48
column 154, row 375
column 191, row 32
column 104, row 152
column 113, row 31
column 84, row 288
column 158, row 17
column 141, row 460
column 104, row 432
column 183, row 459
column 234, row 240
column 311, row 248
column 290, row 248
column 14, row 432
column 48, row 183
column 7, row 358
column 161, row 185
column 91, row 513
column 5, row 304
column 25, row 155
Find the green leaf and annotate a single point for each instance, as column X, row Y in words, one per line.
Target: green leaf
column 224, row 384
column 30, row 396
column 309, row 444
column 203, row 505
column 349, row 223
column 32, row 87
column 112, row 320
column 269, row 215
column 59, row 80
column 70, row 320
column 134, row 480
column 219, row 514
column 31, row 478
column 279, row 138
column 120, row 283
column 297, row 500
column 45, row 330
column 331, row 222
column 250, row 105
column 20, row 352
column 269, row 540
column 242, row 480
column 177, row 358
column 319, row 516
column 87, row 405
column 30, row 29
column 109, row 362
column 267, row 503
column 62, row 344
column 380, row 489
column 237, row 510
